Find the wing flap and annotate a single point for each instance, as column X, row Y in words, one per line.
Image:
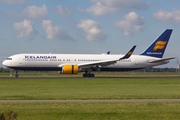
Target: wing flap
column 99, row 62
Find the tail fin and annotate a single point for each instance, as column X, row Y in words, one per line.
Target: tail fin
column 157, row 48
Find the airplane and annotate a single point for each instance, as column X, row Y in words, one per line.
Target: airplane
column 74, row 63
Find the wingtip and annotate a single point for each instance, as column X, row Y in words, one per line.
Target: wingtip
column 129, row 53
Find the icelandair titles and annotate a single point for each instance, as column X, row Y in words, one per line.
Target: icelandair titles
column 156, row 53
column 39, row 57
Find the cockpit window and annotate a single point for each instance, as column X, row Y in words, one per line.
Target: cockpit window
column 9, row 58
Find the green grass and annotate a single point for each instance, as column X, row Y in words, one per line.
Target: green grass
column 92, row 89
column 95, row 111
column 89, row 88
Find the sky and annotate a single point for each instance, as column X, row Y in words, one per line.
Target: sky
column 87, row 26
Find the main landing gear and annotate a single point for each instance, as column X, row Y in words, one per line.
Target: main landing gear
column 88, row 74
column 16, row 74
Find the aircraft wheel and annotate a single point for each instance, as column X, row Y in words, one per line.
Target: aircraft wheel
column 92, row 75
column 84, row 75
column 88, row 75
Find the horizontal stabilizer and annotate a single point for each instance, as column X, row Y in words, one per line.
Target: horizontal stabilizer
column 161, row 60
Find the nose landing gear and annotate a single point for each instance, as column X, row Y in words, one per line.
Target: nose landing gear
column 16, row 74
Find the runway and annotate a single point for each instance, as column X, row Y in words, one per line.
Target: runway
column 164, row 77
column 114, row 100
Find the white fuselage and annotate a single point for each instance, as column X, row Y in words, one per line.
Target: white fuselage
column 55, row 62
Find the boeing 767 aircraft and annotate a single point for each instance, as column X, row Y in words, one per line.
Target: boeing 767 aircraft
column 74, row 63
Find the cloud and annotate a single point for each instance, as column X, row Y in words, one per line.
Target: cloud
column 99, row 9
column 92, row 30
column 137, row 4
column 62, row 11
column 24, row 28
column 165, row 16
column 55, row 31
column 131, row 23
column 32, row 12
column 13, row 2
column 102, row 7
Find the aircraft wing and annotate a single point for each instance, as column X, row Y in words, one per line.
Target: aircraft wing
column 161, row 60
column 107, row 62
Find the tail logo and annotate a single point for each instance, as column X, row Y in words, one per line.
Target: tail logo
column 129, row 53
column 159, row 45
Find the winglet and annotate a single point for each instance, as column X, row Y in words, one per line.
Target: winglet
column 108, row 52
column 129, row 53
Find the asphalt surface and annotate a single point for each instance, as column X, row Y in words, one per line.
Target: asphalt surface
column 116, row 100
column 165, row 77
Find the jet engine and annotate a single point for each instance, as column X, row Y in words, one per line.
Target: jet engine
column 69, row 69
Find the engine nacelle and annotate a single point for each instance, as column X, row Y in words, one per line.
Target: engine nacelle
column 69, row 69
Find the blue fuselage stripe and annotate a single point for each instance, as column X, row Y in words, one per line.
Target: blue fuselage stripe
column 60, row 69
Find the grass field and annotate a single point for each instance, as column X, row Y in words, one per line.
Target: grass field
column 93, row 89
column 89, row 88
column 96, row 111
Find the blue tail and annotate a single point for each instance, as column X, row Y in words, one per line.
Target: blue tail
column 157, row 48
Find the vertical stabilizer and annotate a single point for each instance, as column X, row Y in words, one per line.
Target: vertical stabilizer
column 157, row 48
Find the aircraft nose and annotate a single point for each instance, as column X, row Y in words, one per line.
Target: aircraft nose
column 5, row 63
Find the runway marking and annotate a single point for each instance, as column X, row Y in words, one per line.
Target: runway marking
column 114, row 100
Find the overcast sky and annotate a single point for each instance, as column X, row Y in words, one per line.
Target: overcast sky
column 87, row 26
